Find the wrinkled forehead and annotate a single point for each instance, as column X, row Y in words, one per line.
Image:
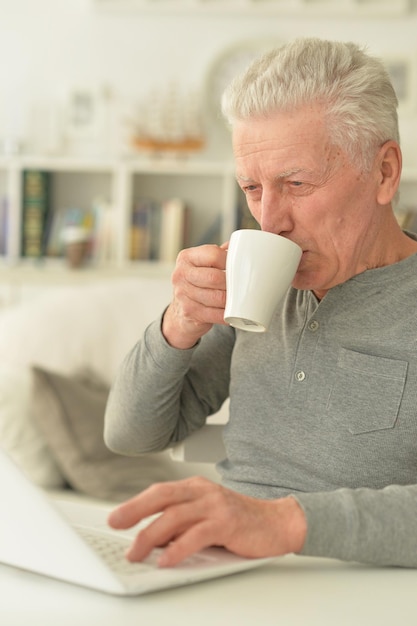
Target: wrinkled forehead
column 285, row 142
column 307, row 124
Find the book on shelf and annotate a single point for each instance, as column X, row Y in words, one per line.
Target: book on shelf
column 4, row 225
column 62, row 218
column 96, row 223
column 174, row 229
column 103, row 240
column 141, row 231
column 54, row 246
column 158, row 230
column 36, row 198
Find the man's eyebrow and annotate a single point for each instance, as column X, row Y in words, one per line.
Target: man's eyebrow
column 244, row 179
column 291, row 172
column 280, row 175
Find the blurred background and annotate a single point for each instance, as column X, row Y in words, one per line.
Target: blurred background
column 78, row 75
column 111, row 140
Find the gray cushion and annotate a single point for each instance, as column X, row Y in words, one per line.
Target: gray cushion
column 69, row 410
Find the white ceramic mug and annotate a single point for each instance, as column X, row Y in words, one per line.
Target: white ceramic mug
column 260, row 267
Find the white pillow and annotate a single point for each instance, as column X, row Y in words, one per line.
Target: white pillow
column 83, row 327
column 19, row 434
column 67, row 330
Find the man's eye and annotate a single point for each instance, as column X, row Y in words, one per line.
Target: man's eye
column 296, row 183
column 249, row 188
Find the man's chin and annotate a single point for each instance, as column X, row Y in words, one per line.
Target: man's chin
column 306, row 281
column 302, row 281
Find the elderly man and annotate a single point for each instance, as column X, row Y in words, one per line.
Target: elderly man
column 322, row 439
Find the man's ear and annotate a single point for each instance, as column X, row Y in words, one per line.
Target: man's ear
column 389, row 163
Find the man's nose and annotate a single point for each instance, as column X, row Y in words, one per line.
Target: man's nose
column 275, row 214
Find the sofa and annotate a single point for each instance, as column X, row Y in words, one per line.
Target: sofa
column 59, row 352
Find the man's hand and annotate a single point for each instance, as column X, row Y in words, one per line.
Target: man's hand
column 199, row 295
column 196, row 513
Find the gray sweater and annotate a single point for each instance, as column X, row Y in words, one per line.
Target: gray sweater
column 322, row 406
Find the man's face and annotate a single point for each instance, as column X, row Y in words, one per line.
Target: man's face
column 300, row 186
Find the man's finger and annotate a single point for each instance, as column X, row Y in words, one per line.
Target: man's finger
column 153, row 500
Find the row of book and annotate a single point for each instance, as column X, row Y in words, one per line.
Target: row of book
column 44, row 226
column 4, row 224
column 159, row 230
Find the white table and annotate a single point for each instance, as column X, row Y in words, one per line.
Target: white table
column 290, row 591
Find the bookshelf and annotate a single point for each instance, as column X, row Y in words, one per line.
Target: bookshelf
column 208, row 188
column 208, row 191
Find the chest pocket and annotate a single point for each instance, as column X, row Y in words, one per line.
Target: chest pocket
column 367, row 391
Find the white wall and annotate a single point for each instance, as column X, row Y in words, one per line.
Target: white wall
column 48, row 46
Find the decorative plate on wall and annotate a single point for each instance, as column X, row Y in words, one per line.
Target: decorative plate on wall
column 229, row 64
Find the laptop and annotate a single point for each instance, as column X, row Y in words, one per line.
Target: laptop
column 71, row 541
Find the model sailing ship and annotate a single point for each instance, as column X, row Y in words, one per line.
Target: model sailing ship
column 169, row 122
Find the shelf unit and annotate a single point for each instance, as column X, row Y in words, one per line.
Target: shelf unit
column 209, row 190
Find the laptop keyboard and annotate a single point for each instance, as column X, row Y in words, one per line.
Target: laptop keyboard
column 112, row 549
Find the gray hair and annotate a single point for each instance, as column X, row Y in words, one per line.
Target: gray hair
column 354, row 88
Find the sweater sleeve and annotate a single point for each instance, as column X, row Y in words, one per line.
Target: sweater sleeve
column 161, row 394
column 363, row 525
